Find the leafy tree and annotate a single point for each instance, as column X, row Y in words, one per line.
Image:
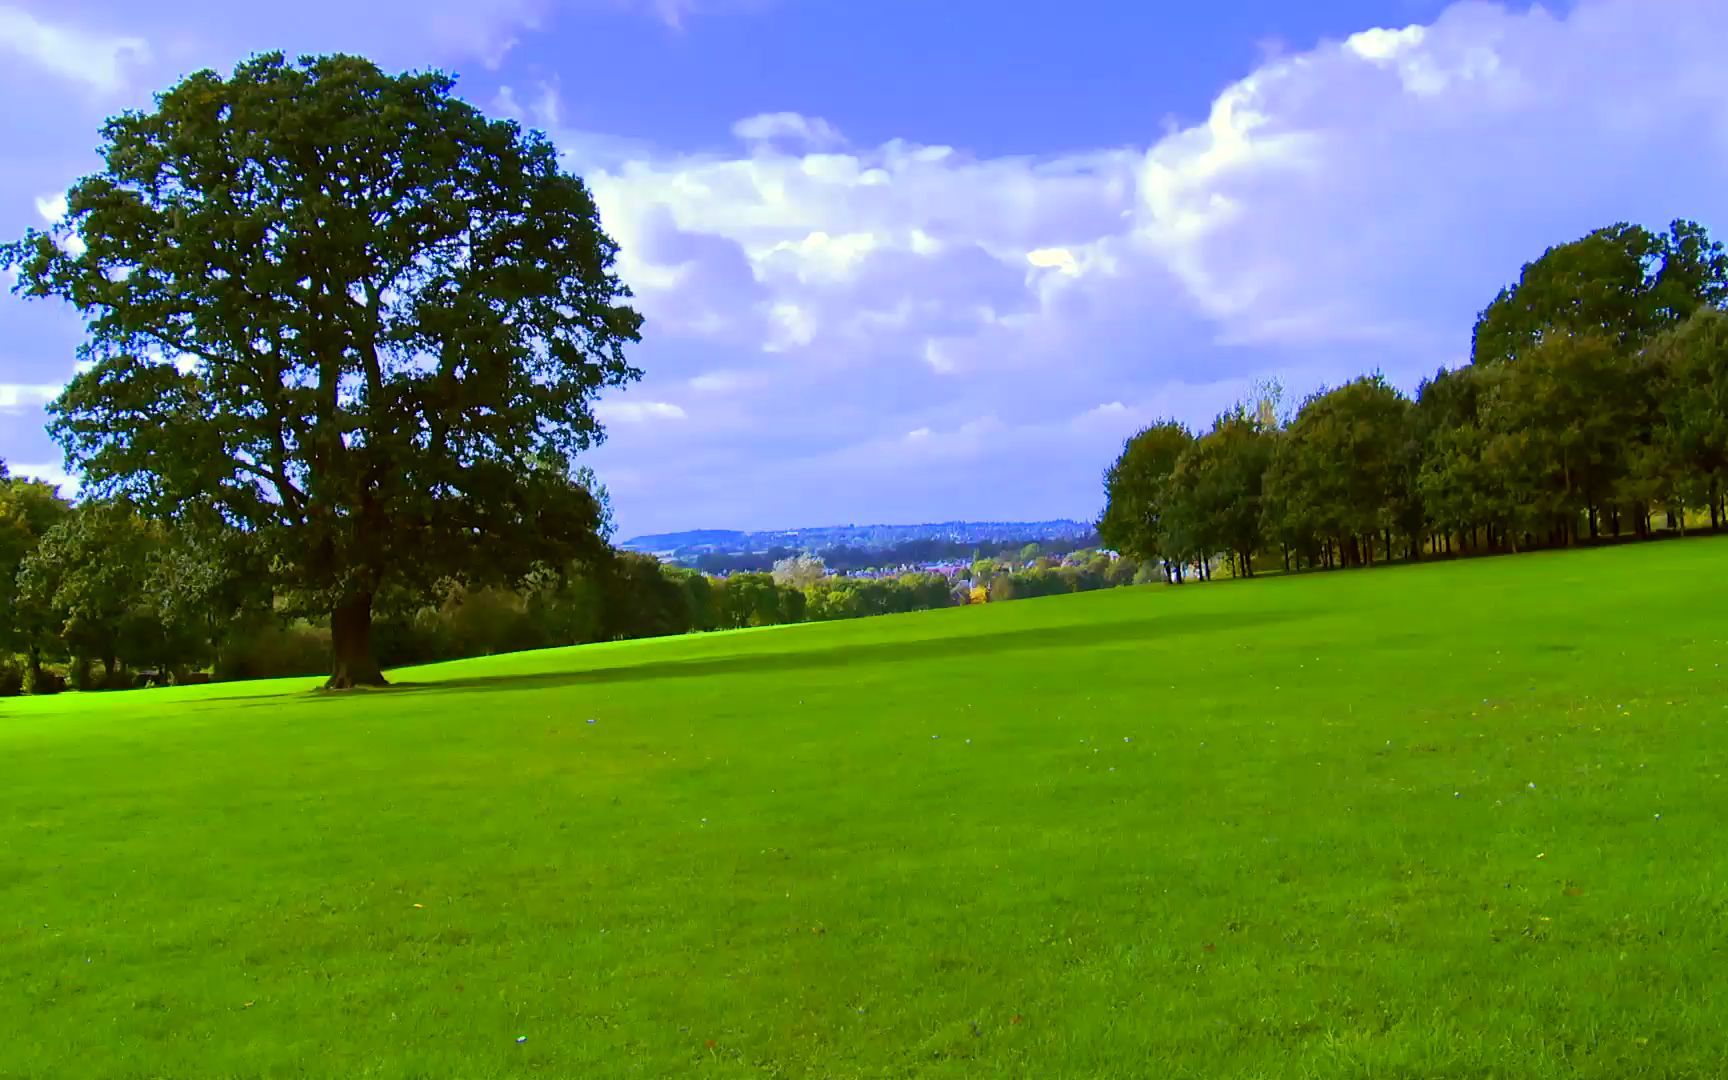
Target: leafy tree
column 1690, row 364
column 699, row 592
column 1623, row 283
column 205, row 583
column 89, row 572
column 29, row 511
column 1557, row 424
column 350, row 313
column 1448, row 444
column 1216, row 493
column 1343, row 471
column 749, row 599
column 641, row 600
column 1137, row 492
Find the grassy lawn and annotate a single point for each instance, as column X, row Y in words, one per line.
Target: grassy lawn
column 1461, row 820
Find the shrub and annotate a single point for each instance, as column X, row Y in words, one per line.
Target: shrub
column 269, row 650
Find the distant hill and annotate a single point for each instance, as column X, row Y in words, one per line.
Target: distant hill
column 730, row 542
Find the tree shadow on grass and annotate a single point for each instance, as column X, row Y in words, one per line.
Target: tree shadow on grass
column 836, row 656
column 841, row 655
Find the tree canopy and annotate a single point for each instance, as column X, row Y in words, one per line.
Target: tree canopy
column 1137, row 492
column 359, row 320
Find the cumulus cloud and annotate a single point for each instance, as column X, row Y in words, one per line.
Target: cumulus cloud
column 848, row 315
column 98, row 61
column 1339, row 209
column 811, row 131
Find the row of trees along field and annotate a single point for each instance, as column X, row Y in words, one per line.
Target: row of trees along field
column 1595, row 405
column 99, row 595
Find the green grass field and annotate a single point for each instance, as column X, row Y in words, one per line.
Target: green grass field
column 1461, row 820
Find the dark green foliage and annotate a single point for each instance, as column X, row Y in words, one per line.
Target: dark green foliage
column 1689, row 366
column 350, row 314
column 852, row 598
column 29, row 511
column 1622, row 282
column 1216, row 492
column 1137, row 492
column 1342, row 475
column 641, row 601
column 114, row 584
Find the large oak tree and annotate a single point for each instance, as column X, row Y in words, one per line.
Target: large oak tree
column 352, row 314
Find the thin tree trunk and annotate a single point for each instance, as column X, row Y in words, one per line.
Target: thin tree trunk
column 352, row 663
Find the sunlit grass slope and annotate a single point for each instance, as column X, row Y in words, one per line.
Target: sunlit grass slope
column 1463, row 820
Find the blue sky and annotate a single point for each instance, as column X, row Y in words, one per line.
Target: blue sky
column 907, row 261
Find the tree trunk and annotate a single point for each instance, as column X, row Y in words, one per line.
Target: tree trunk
column 351, row 645
column 33, row 671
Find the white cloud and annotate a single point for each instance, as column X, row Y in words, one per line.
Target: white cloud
column 17, row 397
column 1336, row 210
column 98, row 61
column 811, row 131
column 51, row 208
column 1054, row 259
column 48, row 474
column 1381, row 45
column 637, row 412
column 725, row 381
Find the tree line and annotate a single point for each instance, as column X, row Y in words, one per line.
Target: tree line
column 99, row 595
column 1594, row 405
